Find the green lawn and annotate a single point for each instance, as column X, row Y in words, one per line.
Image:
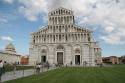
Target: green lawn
column 115, row 74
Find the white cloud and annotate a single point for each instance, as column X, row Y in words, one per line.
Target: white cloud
column 31, row 9
column 3, row 19
column 112, row 39
column 109, row 29
column 6, row 38
column 9, row 1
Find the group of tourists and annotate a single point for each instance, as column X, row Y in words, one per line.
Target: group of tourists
column 3, row 67
column 41, row 65
column 38, row 66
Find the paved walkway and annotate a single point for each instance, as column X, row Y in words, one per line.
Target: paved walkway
column 19, row 74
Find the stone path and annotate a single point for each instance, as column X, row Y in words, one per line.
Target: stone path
column 19, row 74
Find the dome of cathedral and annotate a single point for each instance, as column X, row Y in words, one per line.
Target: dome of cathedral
column 10, row 48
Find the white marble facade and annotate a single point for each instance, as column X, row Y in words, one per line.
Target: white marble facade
column 62, row 41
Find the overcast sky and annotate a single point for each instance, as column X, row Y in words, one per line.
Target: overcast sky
column 18, row 18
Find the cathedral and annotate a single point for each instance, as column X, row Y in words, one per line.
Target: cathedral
column 63, row 42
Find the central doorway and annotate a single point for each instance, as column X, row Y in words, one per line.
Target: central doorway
column 60, row 58
column 77, row 59
column 43, row 59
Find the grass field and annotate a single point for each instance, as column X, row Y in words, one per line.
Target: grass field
column 115, row 74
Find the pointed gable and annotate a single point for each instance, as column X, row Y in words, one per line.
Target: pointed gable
column 61, row 11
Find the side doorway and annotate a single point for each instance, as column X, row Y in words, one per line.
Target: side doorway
column 77, row 59
column 43, row 59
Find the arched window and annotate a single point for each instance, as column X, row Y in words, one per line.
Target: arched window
column 61, row 11
column 59, row 37
column 43, row 51
column 60, row 47
column 77, row 50
column 88, row 37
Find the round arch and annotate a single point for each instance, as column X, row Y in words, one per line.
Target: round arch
column 77, row 54
column 43, row 53
column 60, row 54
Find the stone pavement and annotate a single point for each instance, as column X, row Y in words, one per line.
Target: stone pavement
column 22, row 73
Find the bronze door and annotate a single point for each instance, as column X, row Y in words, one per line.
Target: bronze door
column 60, row 58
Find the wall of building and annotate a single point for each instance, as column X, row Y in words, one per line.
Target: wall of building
column 10, row 58
column 111, row 60
column 24, row 60
column 86, row 54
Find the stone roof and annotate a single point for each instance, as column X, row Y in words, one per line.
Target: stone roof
column 10, row 48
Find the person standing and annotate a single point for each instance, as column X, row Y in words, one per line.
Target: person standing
column 71, row 63
column 4, row 63
column 38, row 66
column 47, row 63
column 1, row 69
column 14, row 68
